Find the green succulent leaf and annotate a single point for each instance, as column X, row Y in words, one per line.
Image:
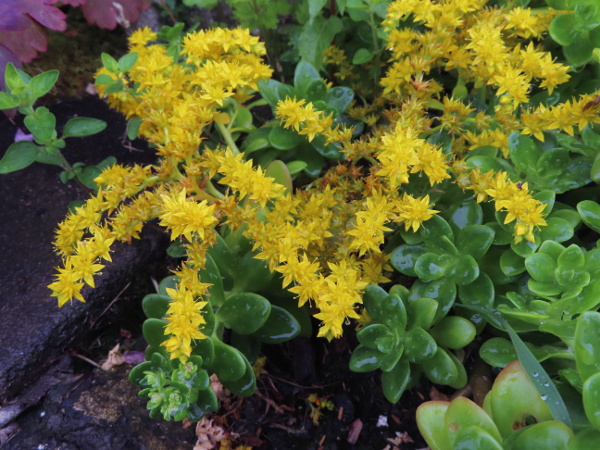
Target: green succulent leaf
column 590, row 214
column 587, row 345
column 443, row 291
column 365, row 359
column 372, row 335
column 419, row 345
column 404, row 258
column 464, row 270
column 421, row 312
column 244, row 386
column 440, row 368
column 244, row 313
column 154, row 331
column 394, row 382
column 280, row 326
column 430, row 420
column 156, row 305
column 541, row 267
column 453, row 332
column 475, row 240
column 463, row 414
column 432, row 266
column 229, row 364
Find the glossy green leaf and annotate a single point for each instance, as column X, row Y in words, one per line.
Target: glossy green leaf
column 244, row 313
column 523, row 151
column 283, row 138
column 19, row 156
column 557, row 229
column 432, row 266
column 211, row 274
column 587, row 345
column 388, row 310
column 590, row 214
column 257, row 139
column 395, row 381
column 572, row 258
column 421, row 312
column 511, row 264
column 280, row 173
column 316, row 90
column 475, row 240
column 563, row 29
column 442, row 290
column 154, row 331
column 585, row 440
column 464, row 270
column 419, row 345
column 526, row 248
column 273, row 91
column 440, row 368
column 372, row 335
column 453, row 332
column 206, row 403
column 498, row 352
column 541, row 267
column 475, row 438
column 339, row 98
column 304, row 75
column 253, row 275
column 365, row 359
column 280, row 326
column 465, row 214
column 244, row 386
column 206, row 349
column 435, row 228
column 430, row 420
column 361, row 56
column 404, row 258
column 155, row 305
column 548, row 435
column 552, row 163
column 229, row 364
column 463, row 413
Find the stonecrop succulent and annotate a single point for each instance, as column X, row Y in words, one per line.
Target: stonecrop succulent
column 445, row 177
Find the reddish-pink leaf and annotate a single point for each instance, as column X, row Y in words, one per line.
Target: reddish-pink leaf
column 73, row 2
column 6, row 56
column 27, row 42
column 14, row 14
column 108, row 13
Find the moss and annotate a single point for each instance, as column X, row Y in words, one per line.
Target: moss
column 76, row 54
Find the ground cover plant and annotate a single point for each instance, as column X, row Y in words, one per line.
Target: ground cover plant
column 430, row 177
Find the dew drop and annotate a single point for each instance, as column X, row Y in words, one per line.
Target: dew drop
column 338, row 93
column 544, row 397
column 535, row 374
column 546, row 384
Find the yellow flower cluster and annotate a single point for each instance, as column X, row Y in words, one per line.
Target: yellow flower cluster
column 175, row 100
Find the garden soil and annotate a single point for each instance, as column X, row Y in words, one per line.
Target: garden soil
column 53, row 396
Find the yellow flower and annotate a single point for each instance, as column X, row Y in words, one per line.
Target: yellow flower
column 414, row 211
column 187, row 218
column 184, row 320
column 67, row 285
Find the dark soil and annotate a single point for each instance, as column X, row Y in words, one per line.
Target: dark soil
column 59, row 401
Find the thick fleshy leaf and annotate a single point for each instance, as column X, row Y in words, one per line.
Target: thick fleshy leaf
column 590, row 214
column 244, row 313
column 229, row 364
column 156, row 305
column 440, row 368
column 475, row 240
column 371, row 336
column 419, row 345
column 464, row 270
column 394, row 382
column 463, row 413
column 523, row 152
column 432, row 266
column 587, row 345
column 421, row 312
column 154, row 331
column 541, row 267
column 244, row 386
column 280, row 326
column 511, row 264
column 453, row 332
column 430, row 420
column 365, row 359
column 548, row 435
column 404, row 258
column 465, row 214
column 442, row 290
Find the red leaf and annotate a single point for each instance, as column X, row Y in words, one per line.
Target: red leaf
column 25, row 43
column 14, row 14
column 108, row 13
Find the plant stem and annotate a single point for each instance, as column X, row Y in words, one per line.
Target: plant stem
column 228, row 138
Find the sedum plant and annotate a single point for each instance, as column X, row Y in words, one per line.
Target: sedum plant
column 458, row 188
